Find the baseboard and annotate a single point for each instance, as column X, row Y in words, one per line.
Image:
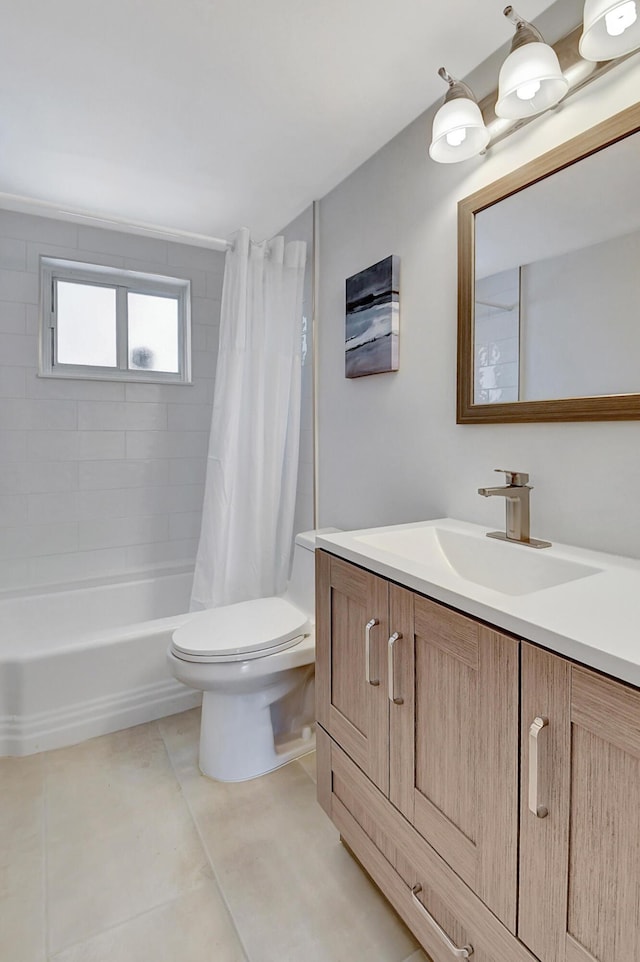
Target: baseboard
column 28, row 734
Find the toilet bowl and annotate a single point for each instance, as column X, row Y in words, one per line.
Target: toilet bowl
column 254, row 662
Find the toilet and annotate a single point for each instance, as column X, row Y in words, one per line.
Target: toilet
column 254, row 662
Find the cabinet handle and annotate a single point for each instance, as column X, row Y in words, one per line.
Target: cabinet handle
column 537, row 740
column 392, row 680
column 465, row 952
column 367, row 651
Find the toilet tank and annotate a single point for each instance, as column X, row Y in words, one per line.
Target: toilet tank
column 301, row 588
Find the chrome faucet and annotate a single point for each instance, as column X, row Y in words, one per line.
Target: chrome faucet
column 517, row 493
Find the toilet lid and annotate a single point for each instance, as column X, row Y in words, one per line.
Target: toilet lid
column 250, row 626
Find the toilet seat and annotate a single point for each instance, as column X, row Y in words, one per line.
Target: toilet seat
column 250, row 629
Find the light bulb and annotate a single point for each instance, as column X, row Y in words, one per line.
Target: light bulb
column 527, row 91
column 621, row 18
column 456, row 137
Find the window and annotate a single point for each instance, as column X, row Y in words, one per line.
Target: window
column 101, row 322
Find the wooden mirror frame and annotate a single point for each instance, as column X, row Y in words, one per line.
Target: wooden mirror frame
column 613, row 407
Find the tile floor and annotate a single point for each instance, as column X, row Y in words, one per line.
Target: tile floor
column 119, row 850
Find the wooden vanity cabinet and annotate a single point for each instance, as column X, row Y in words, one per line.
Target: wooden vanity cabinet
column 435, row 727
column 580, row 863
column 499, row 778
column 351, row 670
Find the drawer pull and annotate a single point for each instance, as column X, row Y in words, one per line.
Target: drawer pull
column 465, row 952
column 392, row 678
column 537, row 741
column 367, row 651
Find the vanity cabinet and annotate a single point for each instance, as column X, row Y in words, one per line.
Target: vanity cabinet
column 490, row 788
column 425, row 702
column 580, row 863
column 351, row 678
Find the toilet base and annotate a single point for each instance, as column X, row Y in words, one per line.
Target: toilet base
column 237, row 734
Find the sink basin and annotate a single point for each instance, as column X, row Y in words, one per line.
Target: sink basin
column 509, row 568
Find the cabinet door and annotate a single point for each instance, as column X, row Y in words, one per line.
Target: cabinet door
column 455, row 742
column 351, row 666
column 580, row 862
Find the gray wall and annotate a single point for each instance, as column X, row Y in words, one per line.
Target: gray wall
column 98, row 478
column 389, row 447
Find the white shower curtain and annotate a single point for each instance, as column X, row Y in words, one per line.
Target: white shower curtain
column 250, row 492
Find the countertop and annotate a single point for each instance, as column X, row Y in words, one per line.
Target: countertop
column 594, row 620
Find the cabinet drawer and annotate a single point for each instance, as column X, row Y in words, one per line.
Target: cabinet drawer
column 437, row 906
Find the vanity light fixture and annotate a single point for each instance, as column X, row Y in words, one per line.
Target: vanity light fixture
column 611, row 29
column 459, row 131
column 530, row 78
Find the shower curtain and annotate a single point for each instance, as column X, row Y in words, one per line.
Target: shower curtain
column 250, row 490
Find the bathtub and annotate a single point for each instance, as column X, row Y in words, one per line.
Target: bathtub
column 85, row 660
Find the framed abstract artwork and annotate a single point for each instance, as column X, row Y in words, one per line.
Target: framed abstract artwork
column 373, row 319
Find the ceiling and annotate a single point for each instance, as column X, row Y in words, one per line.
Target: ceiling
column 205, row 115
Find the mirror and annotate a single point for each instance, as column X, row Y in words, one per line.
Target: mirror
column 549, row 285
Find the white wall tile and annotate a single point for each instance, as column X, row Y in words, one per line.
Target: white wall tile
column 93, row 505
column 12, row 381
column 200, row 392
column 13, row 254
column 99, row 445
column 203, row 364
column 30, row 477
column 167, row 444
column 43, row 229
column 305, row 478
column 26, row 414
column 38, row 249
column 73, row 389
column 167, row 553
column 189, row 417
column 19, row 286
column 214, row 285
column 100, row 475
column 14, row 574
column 13, row 316
column 111, row 532
column 206, row 311
column 124, row 245
column 19, row 349
column 51, row 445
column 306, row 447
column 13, row 446
column 93, row 478
column 163, row 499
column 198, row 278
column 185, row 526
column 115, row 415
column 13, row 509
column 32, row 319
column 28, row 541
column 200, row 258
column 76, row 566
column 50, row 507
column 187, row 470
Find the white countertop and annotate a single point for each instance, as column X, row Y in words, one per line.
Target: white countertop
column 594, row 620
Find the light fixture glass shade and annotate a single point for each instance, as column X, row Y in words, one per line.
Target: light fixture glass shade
column 459, row 132
column 611, row 29
column 530, row 81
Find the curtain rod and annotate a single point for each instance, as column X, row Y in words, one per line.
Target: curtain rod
column 30, row 205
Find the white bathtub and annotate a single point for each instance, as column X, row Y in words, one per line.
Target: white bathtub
column 86, row 660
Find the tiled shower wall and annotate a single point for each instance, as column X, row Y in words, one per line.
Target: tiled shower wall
column 98, row 478
column 497, row 337
column 302, row 229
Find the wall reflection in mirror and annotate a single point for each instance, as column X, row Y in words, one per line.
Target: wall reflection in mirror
column 557, row 284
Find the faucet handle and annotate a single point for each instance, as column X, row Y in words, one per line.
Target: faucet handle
column 518, row 479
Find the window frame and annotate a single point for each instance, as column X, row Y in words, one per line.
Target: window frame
column 123, row 281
